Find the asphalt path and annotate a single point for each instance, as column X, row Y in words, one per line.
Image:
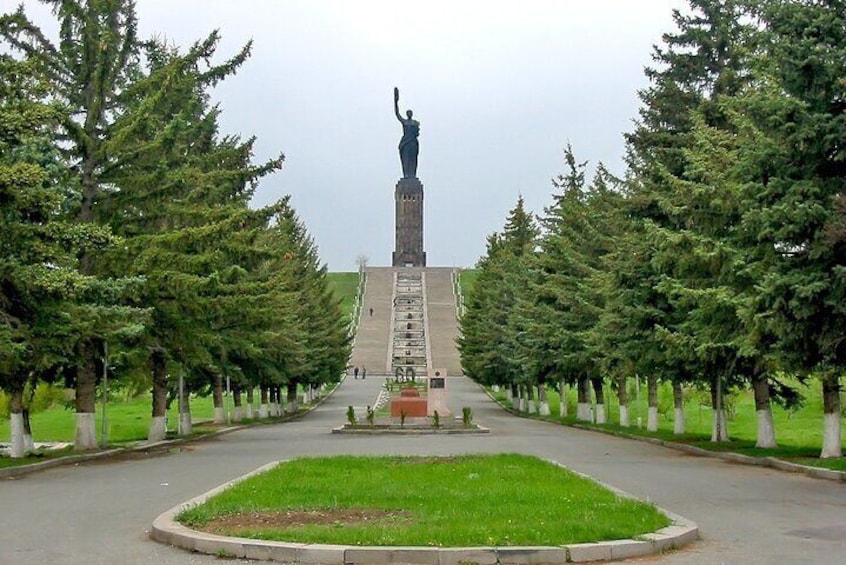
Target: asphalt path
column 95, row 513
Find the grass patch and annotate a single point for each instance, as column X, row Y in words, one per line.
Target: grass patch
column 504, row 500
column 128, row 420
column 466, row 279
column 37, row 457
column 799, row 432
column 345, row 287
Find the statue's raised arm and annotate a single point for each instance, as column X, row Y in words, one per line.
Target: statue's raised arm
column 408, row 146
column 396, row 103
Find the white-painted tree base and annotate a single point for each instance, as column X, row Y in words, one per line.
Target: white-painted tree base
column 524, row 405
column 29, row 443
column 249, row 411
column 766, row 429
column 678, row 421
column 583, row 412
column 237, row 413
column 18, row 447
column 157, row 430
column 185, row 426
column 86, row 435
column 724, row 436
column 601, row 418
column 219, row 415
column 533, row 407
column 262, row 411
column 562, row 406
column 495, row 388
column 652, row 419
column 544, row 409
column 515, row 403
column 624, row 417
column 292, row 407
column 832, row 442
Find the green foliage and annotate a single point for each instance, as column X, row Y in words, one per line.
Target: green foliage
column 467, row 415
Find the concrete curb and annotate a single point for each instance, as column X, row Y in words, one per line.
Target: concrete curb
column 21, row 470
column 167, row 530
column 409, row 430
column 771, row 462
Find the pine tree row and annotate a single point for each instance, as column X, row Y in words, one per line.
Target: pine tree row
column 127, row 240
column 720, row 259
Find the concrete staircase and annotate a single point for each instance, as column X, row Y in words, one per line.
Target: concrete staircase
column 413, row 322
column 374, row 331
column 442, row 323
column 408, row 344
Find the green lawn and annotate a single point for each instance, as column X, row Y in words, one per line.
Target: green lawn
column 467, row 278
column 494, row 500
column 799, row 433
column 345, row 287
column 127, row 420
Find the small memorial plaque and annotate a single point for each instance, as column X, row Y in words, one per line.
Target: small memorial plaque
column 436, row 382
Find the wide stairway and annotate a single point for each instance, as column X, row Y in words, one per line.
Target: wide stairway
column 408, row 320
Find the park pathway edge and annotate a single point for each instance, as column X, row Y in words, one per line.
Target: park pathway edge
column 167, row 530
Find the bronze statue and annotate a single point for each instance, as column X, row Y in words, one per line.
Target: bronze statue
column 408, row 145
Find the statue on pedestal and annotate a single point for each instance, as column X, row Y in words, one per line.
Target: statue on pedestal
column 408, row 145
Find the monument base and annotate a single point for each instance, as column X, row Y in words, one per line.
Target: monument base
column 409, row 224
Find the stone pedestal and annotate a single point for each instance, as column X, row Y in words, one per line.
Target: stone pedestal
column 438, row 395
column 408, row 249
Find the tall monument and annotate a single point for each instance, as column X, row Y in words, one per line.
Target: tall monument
column 408, row 231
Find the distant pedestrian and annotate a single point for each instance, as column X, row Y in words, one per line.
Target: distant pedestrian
column 355, row 372
column 363, row 373
column 371, row 312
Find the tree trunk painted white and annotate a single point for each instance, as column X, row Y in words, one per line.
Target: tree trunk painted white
column 18, row 445
column 86, row 435
column 652, row 403
column 723, row 426
column 600, row 414
column 219, row 415
column 766, row 429
column 263, row 411
column 562, row 399
column 624, row 417
column 185, row 426
column 678, row 408
column 524, row 404
column 185, row 423
column 29, row 443
column 583, row 412
column 678, row 421
column 832, row 441
column 652, row 419
column 543, row 410
column 237, row 414
column 515, row 403
column 495, row 388
column 157, row 430
column 250, row 400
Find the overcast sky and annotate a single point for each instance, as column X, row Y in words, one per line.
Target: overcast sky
column 499, row 89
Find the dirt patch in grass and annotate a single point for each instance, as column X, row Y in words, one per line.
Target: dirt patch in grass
column 433, row 460
column 300, row 518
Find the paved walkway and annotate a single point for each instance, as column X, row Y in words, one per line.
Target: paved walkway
column 99, row 513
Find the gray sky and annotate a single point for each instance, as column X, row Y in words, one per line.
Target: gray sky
column 499, row 88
